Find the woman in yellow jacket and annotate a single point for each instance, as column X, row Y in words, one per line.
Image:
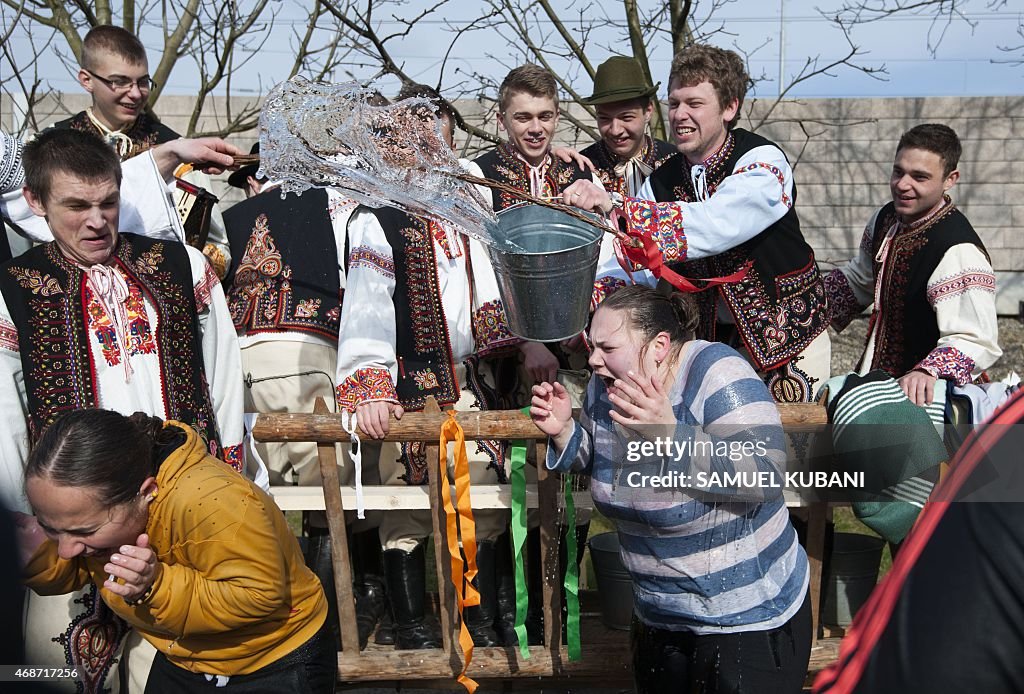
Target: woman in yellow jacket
column 191, row 554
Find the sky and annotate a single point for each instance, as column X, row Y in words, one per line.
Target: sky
column 778, row 36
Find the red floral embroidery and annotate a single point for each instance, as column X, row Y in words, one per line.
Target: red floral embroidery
column 490, row 329
column 961, row 283
column 366, row 385
column 205, row 287
column 949, row 363
column 8, row 336
column 235, row 457
column 774, row 170
column 140, row 334
column 364, row 256
column 662, row 220
column 842, row 303
column 603, row 288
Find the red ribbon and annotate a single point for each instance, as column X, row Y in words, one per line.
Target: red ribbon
column 643, row 251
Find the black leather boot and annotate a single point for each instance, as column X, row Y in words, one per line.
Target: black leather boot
column 406, row 576
column 318, row 559
column 367, row 583
column 479, row 619
column 505, row 584
column 385, row 635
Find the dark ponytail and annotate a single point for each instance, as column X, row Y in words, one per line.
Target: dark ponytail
column 652, row 311
column 100, row 450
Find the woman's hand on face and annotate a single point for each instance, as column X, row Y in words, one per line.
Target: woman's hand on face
column 639, row 402
column 137, row 567
column 551, row 411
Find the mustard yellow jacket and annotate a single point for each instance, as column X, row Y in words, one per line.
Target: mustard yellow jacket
column 233, row 594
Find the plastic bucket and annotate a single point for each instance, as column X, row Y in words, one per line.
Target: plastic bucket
column 547, row 287
column 853, row 573
column 614, row 586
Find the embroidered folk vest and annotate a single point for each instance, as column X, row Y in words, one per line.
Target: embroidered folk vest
column 501, row 164
column 284, row 268
column 45, row 291
column 780, row 306
column 908, row 331
column 422, row 344
column 655, row 153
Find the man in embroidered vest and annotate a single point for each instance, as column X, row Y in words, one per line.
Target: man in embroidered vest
column 724, row 206
column 115, row 72
column 927, row 273
column 625, row 155
column 421, row 317
column 285, row 291
column 102, row 319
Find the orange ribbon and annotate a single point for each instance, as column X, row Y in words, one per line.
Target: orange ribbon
column 455, row 520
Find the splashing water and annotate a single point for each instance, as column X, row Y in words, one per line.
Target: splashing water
column 314, row 134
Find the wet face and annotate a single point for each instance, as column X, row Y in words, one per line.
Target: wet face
column 617, row 348
column 530, row 122
column 80, row 523
column 917, row 183
column 697, row 120
column 82, row 215
column 623, row 124
column 115, row 108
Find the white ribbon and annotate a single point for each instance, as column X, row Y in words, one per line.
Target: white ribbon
column 121, row 143
column 355, row 450
column 634, row 172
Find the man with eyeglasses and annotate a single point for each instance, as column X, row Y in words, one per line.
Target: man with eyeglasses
column 115, row 72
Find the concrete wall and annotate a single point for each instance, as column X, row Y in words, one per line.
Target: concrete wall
column 842, row 150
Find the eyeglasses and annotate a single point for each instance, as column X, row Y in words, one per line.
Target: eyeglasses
column 124, row 84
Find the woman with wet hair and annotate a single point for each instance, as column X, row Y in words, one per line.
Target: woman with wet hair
column 684, row 446
column 187, row 551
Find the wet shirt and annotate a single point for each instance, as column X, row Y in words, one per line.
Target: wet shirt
column 704, row 557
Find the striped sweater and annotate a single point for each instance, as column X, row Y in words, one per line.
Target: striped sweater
column 722, row 558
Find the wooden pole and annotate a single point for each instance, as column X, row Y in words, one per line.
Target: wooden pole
column 496, row 424
column 339, row 541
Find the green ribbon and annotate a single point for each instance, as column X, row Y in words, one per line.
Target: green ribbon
column 572, row 575
column 517, row 463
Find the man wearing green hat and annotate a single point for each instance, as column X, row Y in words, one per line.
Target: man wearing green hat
column 625, row 155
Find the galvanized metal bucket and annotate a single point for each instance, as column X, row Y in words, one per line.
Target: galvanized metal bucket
column 547, row 287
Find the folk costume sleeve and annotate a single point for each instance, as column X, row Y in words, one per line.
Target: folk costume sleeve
column 611, row 274
column 851, row 288
column 367, row 332
column 962, row 291
column 13, row 417
column 758, row 193
column 578, row 454
column 222, row 363
column 490, row 324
